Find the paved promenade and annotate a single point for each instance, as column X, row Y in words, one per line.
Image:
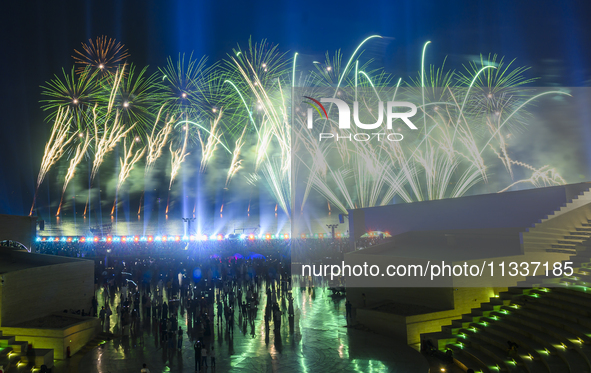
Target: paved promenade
column 316, row 339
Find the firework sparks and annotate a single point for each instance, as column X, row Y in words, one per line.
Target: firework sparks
column 127, row 162
column 107, row 137
column 467, row 117
column 157, row 141
column 74, row 161
column 76, row 92
column 236, row 164
column 112, row 132
column 176, row 158
column 208, row 146
column 541, row 177
column 55, row 147
column 106, row 141
column 103, row 55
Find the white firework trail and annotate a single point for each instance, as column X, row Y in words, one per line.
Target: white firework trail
column 126, row 162
column 209, row 145
column 54, row 148
column 74, row 161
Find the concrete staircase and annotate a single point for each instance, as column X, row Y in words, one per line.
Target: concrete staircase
column 15, row 356
column 548, row 318
column 580, row 200
column 562, row 230
column 572, row 239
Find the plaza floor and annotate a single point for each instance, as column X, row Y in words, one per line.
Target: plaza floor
column 317, row 339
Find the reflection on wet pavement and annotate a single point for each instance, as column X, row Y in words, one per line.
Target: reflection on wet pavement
column 315, row 339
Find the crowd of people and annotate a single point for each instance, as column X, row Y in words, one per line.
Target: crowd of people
column 202, row 287
column 222, row 291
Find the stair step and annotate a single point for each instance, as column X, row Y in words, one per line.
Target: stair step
column 570, row 241
column 579, row 330
column 501, row 345
column 557, row 338
column 581, row 238
column 6, row 340
column 483, row 359
column 38, row 357
column 563, row 246
column 20, row 347
column 581, row 233
column 470, row 361
column 552, row 362
column 494, row 352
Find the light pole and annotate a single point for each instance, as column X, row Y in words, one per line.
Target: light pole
column 188, row 221
column 332, row 227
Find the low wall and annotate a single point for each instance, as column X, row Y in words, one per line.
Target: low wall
column 56, row 284
column 75, row 336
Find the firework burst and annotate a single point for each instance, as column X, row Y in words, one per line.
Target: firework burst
column 103, row 55
column 76, row 92
column 467, row 121
column 135, row 98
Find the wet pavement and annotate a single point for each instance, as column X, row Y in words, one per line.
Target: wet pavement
column 316, row 339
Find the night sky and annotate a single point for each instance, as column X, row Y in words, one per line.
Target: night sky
column 39, row 37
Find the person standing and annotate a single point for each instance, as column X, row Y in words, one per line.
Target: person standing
column 197, row 347
column 145, row 369
column 204, row 356
column 102, row 315
column 180, row 339
column 212, row 356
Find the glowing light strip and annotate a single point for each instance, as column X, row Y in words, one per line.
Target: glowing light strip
column 177, row 238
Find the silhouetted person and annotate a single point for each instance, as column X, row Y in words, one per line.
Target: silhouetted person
column 204, row 356
column 102, row 315
column 212, row 357
column 197, row 347
column 348, row 309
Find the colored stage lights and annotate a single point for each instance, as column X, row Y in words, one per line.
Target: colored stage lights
column 181, row 238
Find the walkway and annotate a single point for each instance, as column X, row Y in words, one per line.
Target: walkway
column 318, row 340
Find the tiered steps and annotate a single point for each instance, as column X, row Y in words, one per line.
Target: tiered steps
column 570, row 241
column 15, row 356
column 548, row 318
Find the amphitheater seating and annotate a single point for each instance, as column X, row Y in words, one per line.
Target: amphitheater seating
column 549, row 319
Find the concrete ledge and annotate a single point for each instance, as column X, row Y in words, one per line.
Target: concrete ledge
column 82, row 331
